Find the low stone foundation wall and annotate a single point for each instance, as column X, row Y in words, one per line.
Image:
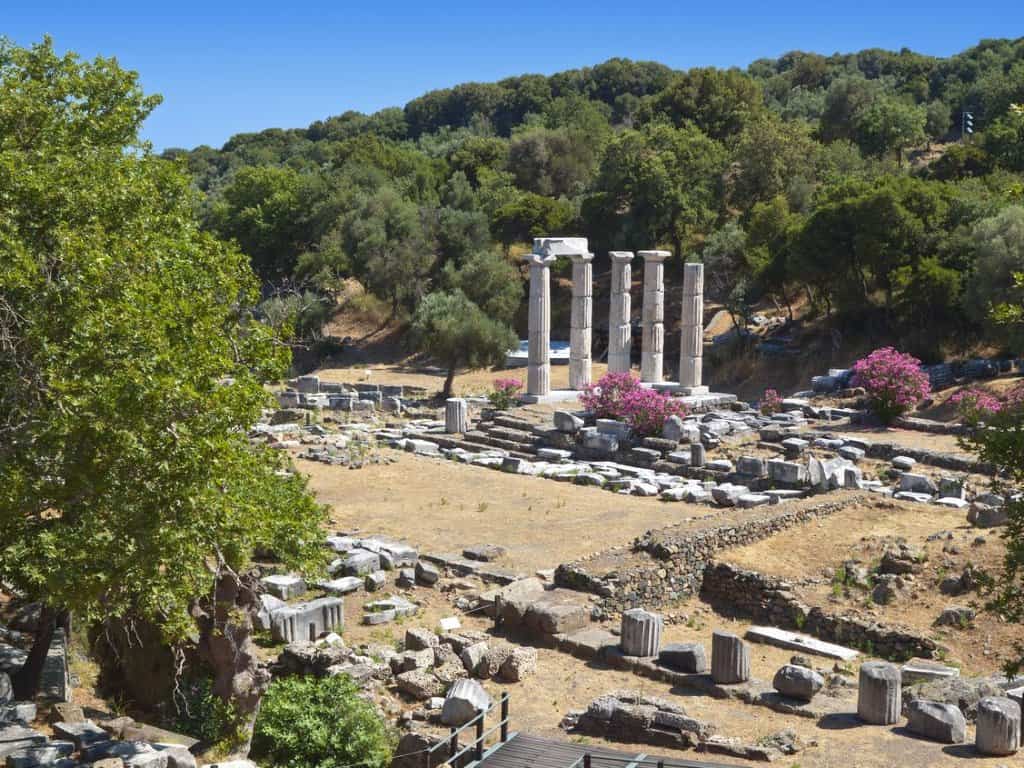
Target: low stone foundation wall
column 954, row 462
column 749, row 594
column 678, row 560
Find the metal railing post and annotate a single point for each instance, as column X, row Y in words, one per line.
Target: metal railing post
column 480, row 737
column 453, row 746
column 586, row 760
column 504, row 716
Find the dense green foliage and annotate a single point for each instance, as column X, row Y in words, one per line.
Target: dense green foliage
column 797, row 164
column 309, row 722
column 131, row 365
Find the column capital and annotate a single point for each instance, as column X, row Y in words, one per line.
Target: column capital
column 654, row 255
column 621, row 257
column 581, row 258
column 559, row 246
column 537, row 260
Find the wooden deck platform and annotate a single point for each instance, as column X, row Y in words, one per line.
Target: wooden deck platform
column 525, row 751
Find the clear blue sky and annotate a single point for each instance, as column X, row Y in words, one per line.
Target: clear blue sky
column 226, row 67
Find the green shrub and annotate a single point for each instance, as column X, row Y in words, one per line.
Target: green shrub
column 307, row 722
column 201, row 714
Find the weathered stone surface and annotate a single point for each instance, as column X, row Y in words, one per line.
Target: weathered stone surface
column 40, row 756
column 284, row 587
column 955, row 616
column 797, row 682
column 730, row 659
column 375, row 581
column 987, row 516
column 464, row 701
column 998, row 731
column 419, row 639
column 473, row 656
column 521, row 663
column 456, row 415
column 427, row 573
column 81, row 734
column 916, row 483
column 6, row 691
column 307, row 621
column 922, row 670
column 796, row 641
column 879, row 696
column 684, row 657
column 641, row 633
column 419, row 684
column 936, row 721
column 567, row 422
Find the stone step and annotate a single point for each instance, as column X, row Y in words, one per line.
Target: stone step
column 511, row 422
column 515, row 435
column 474, row 445
column 527, row 449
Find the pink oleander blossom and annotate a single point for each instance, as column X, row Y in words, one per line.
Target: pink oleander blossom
column 504, row 393
column 771, row 402
column 975, row 405
column 893, row 381
column 619, row 396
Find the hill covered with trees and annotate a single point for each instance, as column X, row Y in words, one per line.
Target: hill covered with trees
column 791, row 179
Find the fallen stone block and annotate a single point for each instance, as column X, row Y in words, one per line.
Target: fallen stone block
column 419, row 684
column 797, row 682
column 922, row 671
column 799, row 642
column 521, row 663
column 936, row 721
column 307, row 621
column 80, row 734
column 684, row 657
column 464, row 701
column 284, row 587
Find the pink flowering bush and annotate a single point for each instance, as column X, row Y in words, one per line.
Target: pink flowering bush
column 505, row 392
column 975, row 405
column 893, row 381
column 620, row 396
column 771, row 402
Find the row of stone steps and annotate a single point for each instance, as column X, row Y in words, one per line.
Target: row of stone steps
column 467, row 443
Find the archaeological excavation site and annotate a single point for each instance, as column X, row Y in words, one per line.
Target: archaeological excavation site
column 334, row 447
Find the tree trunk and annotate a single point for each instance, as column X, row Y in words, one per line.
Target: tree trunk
column 27, row 680
column 449, row 381
column 225, row 644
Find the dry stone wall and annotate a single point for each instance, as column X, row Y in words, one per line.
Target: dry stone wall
column 768, row 600
column 678, row 560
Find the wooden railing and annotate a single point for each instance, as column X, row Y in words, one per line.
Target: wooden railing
column 476, row 746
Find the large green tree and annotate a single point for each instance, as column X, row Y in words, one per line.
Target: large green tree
column 130, row 371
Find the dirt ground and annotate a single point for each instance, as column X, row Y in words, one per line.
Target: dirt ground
column 441, row 506
column 809, row 554
column 563, row 683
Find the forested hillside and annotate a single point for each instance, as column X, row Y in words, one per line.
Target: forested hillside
column 801, row 178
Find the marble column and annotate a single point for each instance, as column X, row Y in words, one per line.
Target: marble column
column 652, row 351
column 538, row 370
column 580, row 324
column 691, row 342
column 620, row 341
column 456, row 415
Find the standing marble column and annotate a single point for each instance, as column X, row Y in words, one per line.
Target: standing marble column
column 538, row 370
column 581, row 321
column 691, row 341
column 620, row 332
column 652, row 352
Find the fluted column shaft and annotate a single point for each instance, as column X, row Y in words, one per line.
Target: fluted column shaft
column 538, row 371
column 581, row 321
column 652, row 352
column 620, row 341
column 691, row 342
